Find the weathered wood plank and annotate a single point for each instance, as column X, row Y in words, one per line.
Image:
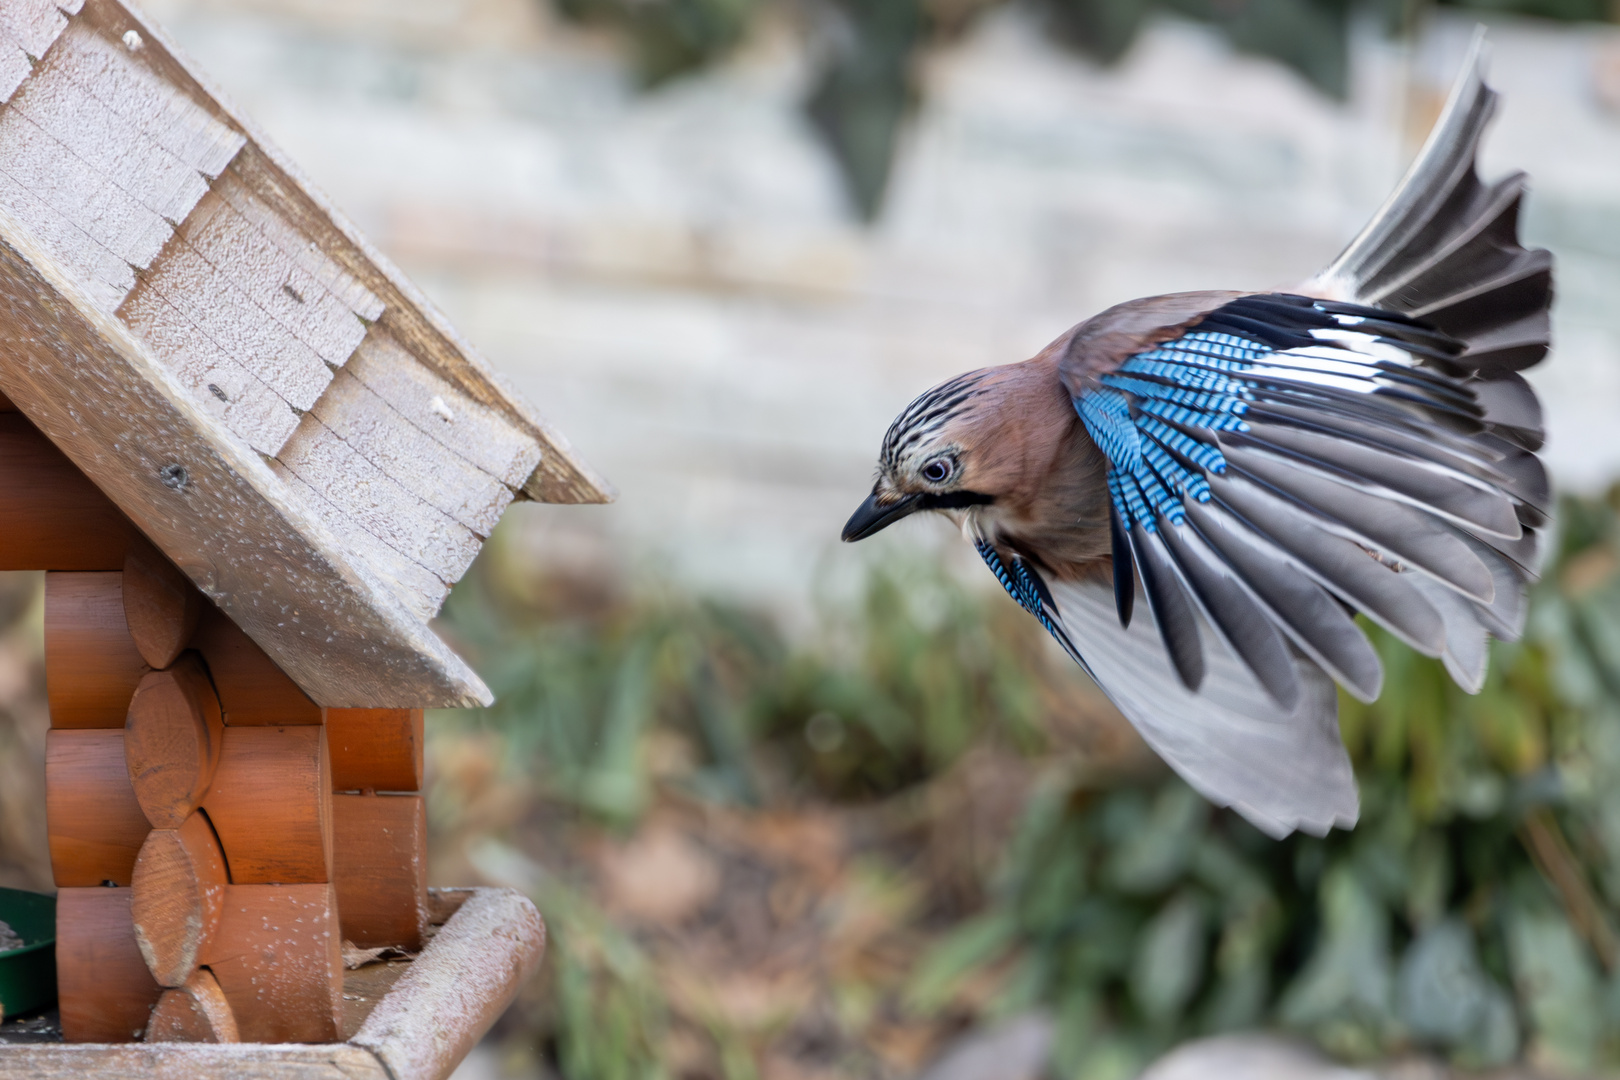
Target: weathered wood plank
column 220, row 386
column 456, row 989
column 104, row 276
column 218, row 308
column 67, row 184
column 421, row 464
column 14, row 68
column 298, row 248
column 376, row 502
column 32, row 24
column 106, row 142
column 560, row 476
column 208, row 501
column 411, row 583
column 271, row 805
column 168, row 1061
column 274, row 281
column 480, row 435
column 103, row 985
column 156, row 106
column 279, row 960
column 94, row 825
column 54, row 517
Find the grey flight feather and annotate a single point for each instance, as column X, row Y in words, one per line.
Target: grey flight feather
column 1283, row 769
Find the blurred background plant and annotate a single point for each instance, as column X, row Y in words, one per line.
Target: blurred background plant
column 869, row 48
column 829, row 856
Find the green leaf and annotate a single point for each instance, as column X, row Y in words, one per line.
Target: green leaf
column 969, row 947
column 1344, row 991
column 1157, row 849
column 1558, row 985
column 1446, row 998
column 1170, row 960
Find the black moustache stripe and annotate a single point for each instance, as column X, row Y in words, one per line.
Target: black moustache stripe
column 954, row 500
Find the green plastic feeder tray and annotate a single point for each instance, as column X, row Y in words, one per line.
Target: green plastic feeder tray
column 28, row 974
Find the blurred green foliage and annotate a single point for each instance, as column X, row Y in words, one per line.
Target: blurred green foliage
column 1468, row 914
column 868, row 49
column 893, row 691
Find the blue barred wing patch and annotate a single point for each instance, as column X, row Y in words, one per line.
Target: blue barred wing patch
column 1025, row 586
column 1146, row 418
column 1158, row 416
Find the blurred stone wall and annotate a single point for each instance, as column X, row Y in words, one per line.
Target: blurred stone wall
column 675, row 280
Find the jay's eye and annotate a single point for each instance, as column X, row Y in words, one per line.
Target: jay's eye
column 937, row 472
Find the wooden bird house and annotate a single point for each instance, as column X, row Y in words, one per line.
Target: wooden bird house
column 253, row 460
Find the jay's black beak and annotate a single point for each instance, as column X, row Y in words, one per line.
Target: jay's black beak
column 871, row 515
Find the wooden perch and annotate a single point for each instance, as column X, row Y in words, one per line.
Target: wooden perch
column 194, row 1013
column 380, row 749
column 271, row 805
column 92, row 819
column 380, row 862
column 280, row 963
column 106, row 991
column 179, row 891
column 252, row 689
column 56, row 519
column 161, row 605
column 91, row 664
column 453, row 993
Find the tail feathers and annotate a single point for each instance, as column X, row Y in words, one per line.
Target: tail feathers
column 1445, row 248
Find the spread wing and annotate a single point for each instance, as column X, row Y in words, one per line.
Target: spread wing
column 1281, row 462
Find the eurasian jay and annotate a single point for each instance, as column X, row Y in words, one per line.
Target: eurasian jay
column 1261, row 467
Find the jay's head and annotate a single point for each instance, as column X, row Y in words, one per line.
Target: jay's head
column 939, row 454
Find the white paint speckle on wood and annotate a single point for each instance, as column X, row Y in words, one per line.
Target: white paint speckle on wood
column 157, row 108
column 220, row 386
column 421, row 464
column 479, row 435
column 376, row 502
column 106, row 142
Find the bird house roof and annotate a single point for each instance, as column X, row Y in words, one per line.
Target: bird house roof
column 264, row 395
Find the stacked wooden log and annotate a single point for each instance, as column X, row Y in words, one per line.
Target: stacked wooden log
column 214, row 834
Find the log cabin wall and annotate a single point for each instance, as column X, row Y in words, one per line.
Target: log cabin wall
column 215, row 835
